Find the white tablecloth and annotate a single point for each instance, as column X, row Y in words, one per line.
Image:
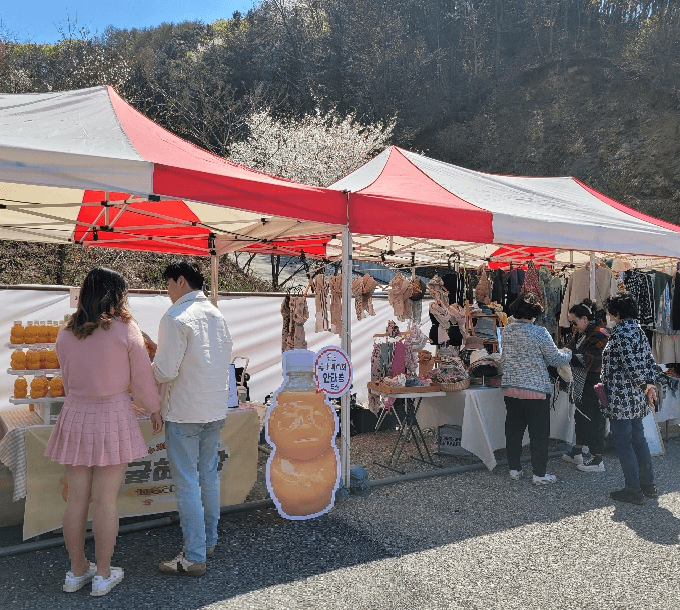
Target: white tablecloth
column 481, row 414
column 670, row 408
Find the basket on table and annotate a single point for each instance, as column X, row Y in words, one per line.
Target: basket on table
column 455, row 387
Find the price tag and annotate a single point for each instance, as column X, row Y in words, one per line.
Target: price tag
column 333, row 371
column 75, row 295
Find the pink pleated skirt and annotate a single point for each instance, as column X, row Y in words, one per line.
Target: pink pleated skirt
column 96, row 431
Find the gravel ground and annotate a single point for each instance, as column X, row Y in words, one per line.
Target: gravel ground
column 470, row 540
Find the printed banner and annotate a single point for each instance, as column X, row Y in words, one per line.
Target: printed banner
column 147, row 486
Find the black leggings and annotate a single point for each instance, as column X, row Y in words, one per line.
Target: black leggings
column 591, row 432
column 536, row 415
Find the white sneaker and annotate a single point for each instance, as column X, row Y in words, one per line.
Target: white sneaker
column 515, row 475
column 545, row 480
column 101, row 585
column 74, row 583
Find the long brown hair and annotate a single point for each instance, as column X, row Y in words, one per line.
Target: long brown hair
column 104, row 291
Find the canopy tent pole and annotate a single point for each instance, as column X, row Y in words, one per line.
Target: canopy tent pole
column 346, row 344
column 593, row 286
column 214, row 268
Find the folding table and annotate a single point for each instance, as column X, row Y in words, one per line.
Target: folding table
column 409, row 428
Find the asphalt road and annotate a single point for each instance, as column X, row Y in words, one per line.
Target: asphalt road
column 472, row 540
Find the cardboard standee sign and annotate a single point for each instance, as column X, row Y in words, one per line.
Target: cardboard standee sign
column 303, row 470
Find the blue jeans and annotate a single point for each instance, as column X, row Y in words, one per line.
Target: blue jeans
column 192, row 454
column 631, row 446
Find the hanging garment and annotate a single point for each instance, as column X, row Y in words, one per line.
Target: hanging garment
column 578, row 288
column 321, row 322
column 443, row 317
column 335, row 285
column 414, row 342
column 514, row 280
column 640, row 286
column 438, row 291
column 399, row 292
column 374, row 402
column 666, row 348
column 457, row 314
column 531, row 284
column 399, row 360
column 299, row 315
column 497, row 293
column 552, row 296
column 356, row 293
column 664, row 318
column 285, row 314
column 362, row 291
column 483, row 290
column 451, row 282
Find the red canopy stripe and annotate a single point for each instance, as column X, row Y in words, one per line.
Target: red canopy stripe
column 185, row 171
column 386, row 207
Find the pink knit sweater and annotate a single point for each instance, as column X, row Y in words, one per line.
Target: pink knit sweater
column 107, row 363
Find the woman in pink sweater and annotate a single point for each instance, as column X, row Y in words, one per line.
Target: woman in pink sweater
column 101, row 351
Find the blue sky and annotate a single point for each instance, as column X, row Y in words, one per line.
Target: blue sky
column 37, row 20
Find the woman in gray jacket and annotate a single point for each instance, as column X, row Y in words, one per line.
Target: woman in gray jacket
column 528, row 350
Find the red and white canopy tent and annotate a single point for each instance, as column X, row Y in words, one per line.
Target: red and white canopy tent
column 86, row 167
column 407, row 208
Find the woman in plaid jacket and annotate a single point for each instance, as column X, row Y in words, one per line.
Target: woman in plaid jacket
column 629, row 374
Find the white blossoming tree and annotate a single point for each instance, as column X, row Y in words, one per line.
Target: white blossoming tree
column 316, row 149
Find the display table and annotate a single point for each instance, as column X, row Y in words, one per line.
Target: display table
column 481, row 414
column 670, row 408
column 13, row 426
column 147, row 486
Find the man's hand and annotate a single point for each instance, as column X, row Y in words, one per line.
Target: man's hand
column 156, row 422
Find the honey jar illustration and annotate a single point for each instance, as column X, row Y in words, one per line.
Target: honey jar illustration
column 303, row 470
column 39, row 386
column 55, row 387
column 43, row 333
column 20, row 387
column 54, row 331
column 16, row 333
column 51, row 360
column 18, row 360
column 30, row 333
column 33, row 359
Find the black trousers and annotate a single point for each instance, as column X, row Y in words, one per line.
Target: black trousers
column 591, row 432
column 536, row 415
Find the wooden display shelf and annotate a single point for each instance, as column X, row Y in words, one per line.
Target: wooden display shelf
column 28, row 345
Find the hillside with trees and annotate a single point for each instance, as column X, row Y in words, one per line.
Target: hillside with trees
column 311, row 89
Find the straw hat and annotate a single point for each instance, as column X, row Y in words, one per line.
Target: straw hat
column 474, row 343
column 482, row 354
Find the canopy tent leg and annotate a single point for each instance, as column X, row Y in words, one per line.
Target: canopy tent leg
column 346, row 344
column 214, row 276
